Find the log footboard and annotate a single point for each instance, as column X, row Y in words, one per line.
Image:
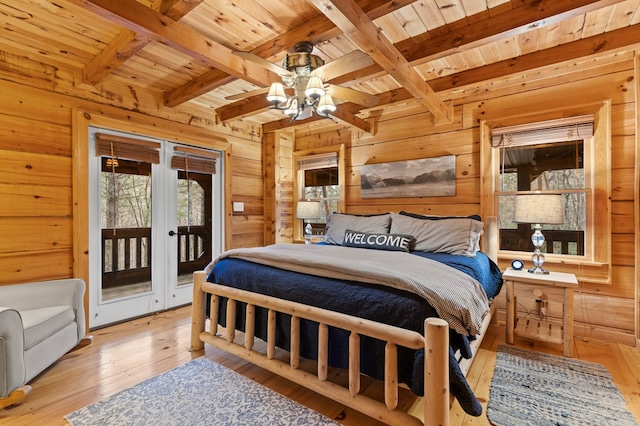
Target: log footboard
column 435, row 342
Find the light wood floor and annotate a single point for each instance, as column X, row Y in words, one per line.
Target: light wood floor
column 125, row 354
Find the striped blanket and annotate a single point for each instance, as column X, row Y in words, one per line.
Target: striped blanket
column 458, row 298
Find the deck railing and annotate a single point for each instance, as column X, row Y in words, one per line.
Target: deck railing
column 558, row 242
column 126, row 254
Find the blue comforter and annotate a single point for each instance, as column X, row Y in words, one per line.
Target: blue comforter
column 374, row 302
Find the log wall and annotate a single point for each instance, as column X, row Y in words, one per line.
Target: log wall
column 36, row 114
column 36, row 214
column 602, row 311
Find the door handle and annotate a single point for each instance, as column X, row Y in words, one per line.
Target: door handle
column 172, row 233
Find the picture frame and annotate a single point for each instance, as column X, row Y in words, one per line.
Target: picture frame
column 426, row 177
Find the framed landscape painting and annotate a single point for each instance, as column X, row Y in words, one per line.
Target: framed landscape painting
column 427, row 177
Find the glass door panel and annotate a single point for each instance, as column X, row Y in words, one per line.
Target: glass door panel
column 125, row 219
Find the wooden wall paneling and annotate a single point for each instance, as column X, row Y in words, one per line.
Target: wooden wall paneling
column 32, row 265
column 30, row 135
column 623, row 251
column 33, row 168
column 623, row 152
column 623, row 119
column 424, row 146
column 269, row 204
column 29, row 200
column 334, row 136
column 246, row 231
column 540, row 78
column 636, row 192
column 285, row 198
column 568, row 97
column 408, row 126
column 622, row 217
column 24, row 235
column 22, row 70
column 622, row 184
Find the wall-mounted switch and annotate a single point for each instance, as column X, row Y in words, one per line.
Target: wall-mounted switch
column 238, row 206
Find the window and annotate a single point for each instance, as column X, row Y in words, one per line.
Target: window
column 319, row 178
column 544, row 157
column 568, row 155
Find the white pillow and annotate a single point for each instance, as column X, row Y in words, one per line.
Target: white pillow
column 338, row 223
column 459, row 236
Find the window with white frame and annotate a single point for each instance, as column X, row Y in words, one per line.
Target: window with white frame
column 545, row 157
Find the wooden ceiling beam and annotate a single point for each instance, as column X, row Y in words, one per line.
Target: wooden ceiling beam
column 609, row 41
column 428, row 47
column 315, row 30
column 361, row 30
column 497, row 24
column 126, row 44
column 155, row 26
column 519, row 20
column 242, row 108
column 122, row 47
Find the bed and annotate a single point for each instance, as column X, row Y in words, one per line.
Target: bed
column 358, row 302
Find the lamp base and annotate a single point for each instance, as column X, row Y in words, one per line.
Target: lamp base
column 537, row 270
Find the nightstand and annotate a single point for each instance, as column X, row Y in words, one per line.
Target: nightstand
column 552, row 287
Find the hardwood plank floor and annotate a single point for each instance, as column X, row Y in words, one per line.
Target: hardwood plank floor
column 128, row 353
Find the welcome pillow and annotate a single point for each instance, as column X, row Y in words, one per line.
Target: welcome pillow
column 392, row 242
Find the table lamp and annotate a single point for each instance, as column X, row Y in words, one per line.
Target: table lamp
column 538, row 209
column 307, row 210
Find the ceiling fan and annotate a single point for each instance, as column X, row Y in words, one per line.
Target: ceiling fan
column 304, row 86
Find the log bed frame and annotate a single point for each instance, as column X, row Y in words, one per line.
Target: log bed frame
column 437, row 400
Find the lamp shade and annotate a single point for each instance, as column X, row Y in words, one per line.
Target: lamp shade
column 308, row 210
column 539, row 209
column 276, row 93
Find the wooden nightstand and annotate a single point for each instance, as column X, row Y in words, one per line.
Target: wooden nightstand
column 555, row 287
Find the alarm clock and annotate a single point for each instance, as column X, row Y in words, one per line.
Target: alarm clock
column 517, row 264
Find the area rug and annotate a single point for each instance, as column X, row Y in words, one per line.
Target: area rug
column 531, row 388
column 200, row 392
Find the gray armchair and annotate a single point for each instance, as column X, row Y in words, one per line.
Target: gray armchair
column 39, row 322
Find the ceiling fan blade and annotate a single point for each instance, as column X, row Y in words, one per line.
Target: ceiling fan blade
column 345, row 64
column 262, row 62
column 352, row 95
column 242, row 95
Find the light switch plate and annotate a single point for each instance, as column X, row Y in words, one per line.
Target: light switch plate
column 238, row 206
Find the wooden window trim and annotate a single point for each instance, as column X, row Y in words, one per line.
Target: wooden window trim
column 297, row 189
column 595, row 266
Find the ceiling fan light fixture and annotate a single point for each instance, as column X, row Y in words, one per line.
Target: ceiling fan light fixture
column 292, row 109
column 315, row 88
column 325, row 105
column 276, row 94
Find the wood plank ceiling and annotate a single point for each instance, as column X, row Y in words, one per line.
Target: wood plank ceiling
column 183, row 50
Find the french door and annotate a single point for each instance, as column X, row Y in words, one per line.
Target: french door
column 155, row 217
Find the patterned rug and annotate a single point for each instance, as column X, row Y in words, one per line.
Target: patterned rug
column 200, row 392
column 531, row 388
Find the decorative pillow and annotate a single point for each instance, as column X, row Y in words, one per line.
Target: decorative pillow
column 393, row 242
column 434, row 217
column 338, row 223
column 459, row 236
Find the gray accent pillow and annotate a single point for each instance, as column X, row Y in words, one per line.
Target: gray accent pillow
column 392, row 242
column 459, row 236
column 338, row 223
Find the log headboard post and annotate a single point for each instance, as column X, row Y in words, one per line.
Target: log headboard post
column 198, row 313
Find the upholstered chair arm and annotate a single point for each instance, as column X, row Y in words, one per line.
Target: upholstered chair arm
column 35, row 295
column 12, row 368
